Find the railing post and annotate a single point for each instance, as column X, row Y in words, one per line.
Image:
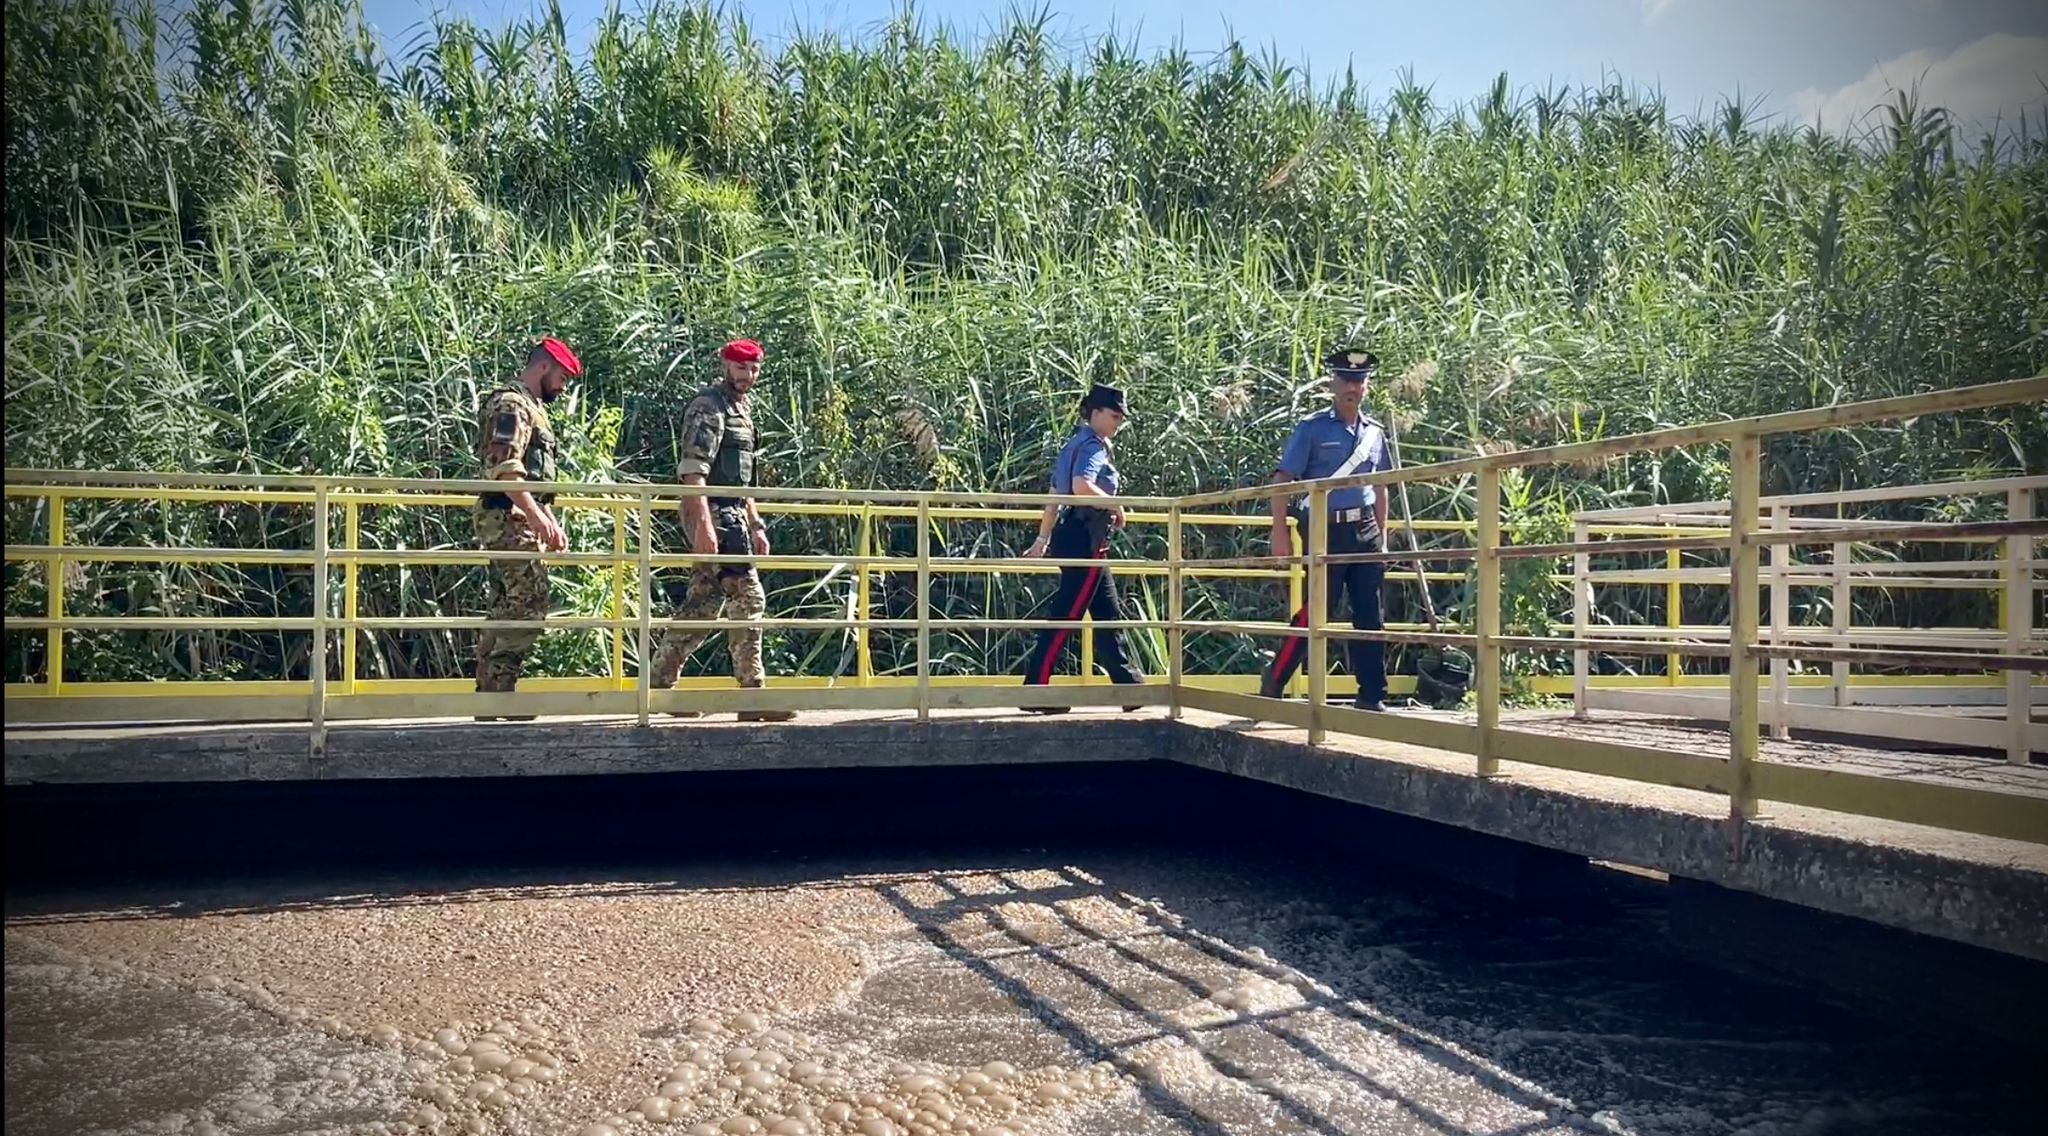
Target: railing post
column 644, row 683
column 2019, row 624
column 1086, row 633
column 1746, row 456
column 1488, row 622
column 1582, row 618
column 53, row 641
column 318, row 655
column 863, row 603
column 1674, row 613
column 1781, row 617
column 924, row 608
column 352, row 538
column 1174, row 674
column 1318, row 614
column 1843, row 603
column 618, row 597
column 1297, row 597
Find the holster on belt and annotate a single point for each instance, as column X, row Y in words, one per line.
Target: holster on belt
column 734, row 536
column 1365, row 533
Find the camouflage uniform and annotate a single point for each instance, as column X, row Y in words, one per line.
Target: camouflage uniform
column 718, row 445
column 513, row 436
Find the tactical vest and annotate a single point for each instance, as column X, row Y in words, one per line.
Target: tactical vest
column 538, row 460
column 735, row 463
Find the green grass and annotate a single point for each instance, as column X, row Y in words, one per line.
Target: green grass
column 242, row 239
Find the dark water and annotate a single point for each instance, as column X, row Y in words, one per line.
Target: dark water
column 1235, row 965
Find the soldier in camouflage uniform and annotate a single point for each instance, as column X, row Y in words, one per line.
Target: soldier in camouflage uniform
column 516, row 443
column 719, row 449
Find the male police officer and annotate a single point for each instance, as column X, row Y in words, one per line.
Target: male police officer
column 719, row 448
column 516, row 443
column 1339, row 442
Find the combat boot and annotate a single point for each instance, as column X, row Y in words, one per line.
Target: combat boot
column 763, row 715
column 484, row 686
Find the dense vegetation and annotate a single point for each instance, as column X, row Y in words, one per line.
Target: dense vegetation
column 248, row 238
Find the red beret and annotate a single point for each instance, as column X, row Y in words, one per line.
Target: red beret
column 561, row 353
column 741, row 351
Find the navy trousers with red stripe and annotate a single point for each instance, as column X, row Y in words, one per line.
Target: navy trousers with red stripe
column 1090, row 590
column 1360, row 583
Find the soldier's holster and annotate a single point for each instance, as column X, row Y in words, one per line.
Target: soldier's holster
column 734, row 537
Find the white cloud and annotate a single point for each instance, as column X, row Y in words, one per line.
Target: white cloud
column 1994, row 77
column 1655, row 8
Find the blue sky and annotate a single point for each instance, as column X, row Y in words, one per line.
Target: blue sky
column 1806, row 59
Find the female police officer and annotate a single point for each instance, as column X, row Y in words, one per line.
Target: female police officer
column 1079, row 532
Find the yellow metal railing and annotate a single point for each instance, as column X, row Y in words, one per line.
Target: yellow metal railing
column 1740, row 776
column 2008, row 577
column 632, row 561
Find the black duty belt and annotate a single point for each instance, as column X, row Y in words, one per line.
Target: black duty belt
column 500, row 501
column 1353, row 516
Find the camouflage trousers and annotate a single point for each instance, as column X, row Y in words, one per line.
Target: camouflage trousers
column 716, row 594
column 520, row 589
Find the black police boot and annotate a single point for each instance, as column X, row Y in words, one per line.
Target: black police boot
column 1128, row 677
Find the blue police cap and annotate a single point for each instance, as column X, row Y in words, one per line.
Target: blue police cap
column 1351, row 363
column 1101, row 397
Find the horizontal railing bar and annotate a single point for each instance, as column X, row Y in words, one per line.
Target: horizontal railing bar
column 556, row 623
column 1336, row 558
column 1279, row 562
column 773, row 561
column 1812, row 574
column 1524, row 642
column 1797, row 580
column 1613, row 547
column 1926, row 533
column 2035, row 663
column 63, row 480
column 1833, row 528
column 1978, row 488
column 1347, row 632
column 1650, row 639
column 147, row 493
column 1708, row 631
column 1952, row 806
column 383, row 499
column 1243, row 627
column 432, row 623
column 110, row 554
column 158, row 623
column 1815, row 569
column 1615, row 646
